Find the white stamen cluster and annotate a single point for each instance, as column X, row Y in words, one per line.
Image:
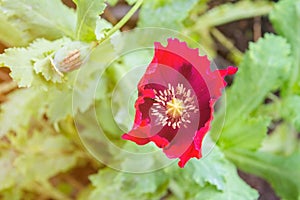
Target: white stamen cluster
column 173, row 106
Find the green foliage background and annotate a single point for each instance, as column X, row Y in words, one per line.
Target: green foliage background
column 41, row 154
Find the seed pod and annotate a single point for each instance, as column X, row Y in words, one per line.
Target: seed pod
column 71, row 56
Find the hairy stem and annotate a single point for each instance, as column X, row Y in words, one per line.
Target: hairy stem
column 236, row 54
column 229, row 12
column 122, row 22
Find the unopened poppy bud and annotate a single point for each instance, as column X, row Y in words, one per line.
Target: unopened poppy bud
column 71, row 57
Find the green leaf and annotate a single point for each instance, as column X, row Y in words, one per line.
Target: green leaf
column 72, row 97
column 81, row 88
column 60, row 104
column 246, row 133
column 21, row 106
column 236, row 188
column 212, row 177
column 282, row 141
column 34, row 18
column 88, row 12
column 209, row 169
column 111, row 184
column 21, row 68
column 44, row 62
column 290, row 110
column 284, row 18
column 126, row 73
column 33, row 60
column 260, row 73
column 106, row 118
column 45, row 156
column 35, row 157
column 10, row 35
column 45, row 67
column 165, row 14
column 282, row 172
column 76, row 92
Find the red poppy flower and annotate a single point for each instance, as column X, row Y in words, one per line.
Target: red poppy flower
column 175, row 102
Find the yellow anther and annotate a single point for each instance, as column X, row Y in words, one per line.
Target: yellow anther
column 175, row 108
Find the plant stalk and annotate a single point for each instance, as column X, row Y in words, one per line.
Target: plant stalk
column 122, row 22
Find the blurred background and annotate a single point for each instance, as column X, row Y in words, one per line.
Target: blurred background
column 223, row 27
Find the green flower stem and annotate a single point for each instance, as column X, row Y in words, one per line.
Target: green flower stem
column 236, row 54
column 122, row 22
column 229, row 12
column 273, row 97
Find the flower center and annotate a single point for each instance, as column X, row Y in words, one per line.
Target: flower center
column 173, row 106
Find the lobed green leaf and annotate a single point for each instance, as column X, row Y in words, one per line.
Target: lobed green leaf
column 285, row 19
column 10, row 34
column 34, row 158
column 31, row 19
column 260, row 73
column 282, row 141
column 21, row 106
column 111, row 184
column 165, row 13
column 246, row 134
column 88, row 12
column 282, row 172
column 212, row 177
column 69, row 94
column 34, row 59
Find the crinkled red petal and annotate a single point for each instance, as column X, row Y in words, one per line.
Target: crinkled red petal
column 175, row 64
